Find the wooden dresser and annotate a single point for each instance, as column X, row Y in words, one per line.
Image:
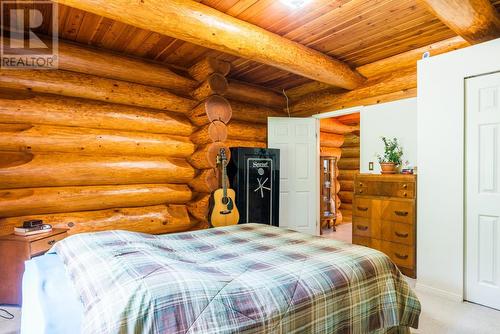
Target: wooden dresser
column 384, row 217
column 14, row 250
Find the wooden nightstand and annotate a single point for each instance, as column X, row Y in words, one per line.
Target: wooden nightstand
column 14, row 250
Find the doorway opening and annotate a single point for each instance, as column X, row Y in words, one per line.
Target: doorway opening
column 339, row 163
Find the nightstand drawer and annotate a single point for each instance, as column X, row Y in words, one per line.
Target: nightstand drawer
column 366, row 227
column 43, row 245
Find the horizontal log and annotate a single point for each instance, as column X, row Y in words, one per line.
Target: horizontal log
column 350, row 152
column 29, row 201
column 208, row 66
column 347, row 185
column 205, row 156
column 351, row 140
column 92, row 87
column 215, row 84
column 245, row 143
column 350, row 119
column 330, row 139
column 25, row 170
column 44, row 138
column 348, row 163
column 214, row 108
column 249, row 93
column 202, row 25
column 156, row 219
column 252, row 113
column 331, row 125
column 328, row 100
column 346, row 175
column 100, row 62
column 346, row 207
column 346, row 196
column 206, row 181
column 199, row 208
column 330, row 152
column 66, row 111
column 237, row 130
column 410, row 58
column 210, row 133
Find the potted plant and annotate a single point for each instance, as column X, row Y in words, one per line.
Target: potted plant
column 392, row 156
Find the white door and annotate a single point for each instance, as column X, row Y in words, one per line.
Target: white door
column 297, row 139
column 482, row 277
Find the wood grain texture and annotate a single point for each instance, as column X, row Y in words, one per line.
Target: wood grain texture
column 331, row 125
column 25, row 170
column 156, row 219
column 206, row 181
column 199, row 207
column 327, row 100
column 330, row 152
column 214, row 108
column 45, row 138
column 66, row 111
column 202, row 25
column 254, row 94
column 237, row 130
column 210, row 133
column 327, row 139
column 215, row 84
column 245, row 143
column 475, row 20
column 253, row 113
column 208, row 66
column 21, row 202
column 84, row 59
column 94, row 88
column 205, row 156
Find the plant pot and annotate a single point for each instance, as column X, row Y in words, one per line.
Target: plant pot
column 388, row 167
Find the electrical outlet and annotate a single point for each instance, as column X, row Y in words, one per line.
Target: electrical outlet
column 370, row 165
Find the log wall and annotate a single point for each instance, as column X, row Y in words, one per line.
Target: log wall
column 338, row 139
column 92, row 149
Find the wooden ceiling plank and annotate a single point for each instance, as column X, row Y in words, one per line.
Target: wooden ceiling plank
column 210, row 28
column 475, row 20
column 72, row 24
column 87, row 31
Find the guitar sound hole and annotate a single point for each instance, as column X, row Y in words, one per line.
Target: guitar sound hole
column 225, row 200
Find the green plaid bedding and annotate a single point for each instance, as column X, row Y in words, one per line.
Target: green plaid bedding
column 248, row 278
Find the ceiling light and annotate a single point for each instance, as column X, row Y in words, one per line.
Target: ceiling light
column 295, row 3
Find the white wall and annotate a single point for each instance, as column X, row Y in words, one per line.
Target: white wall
column 440, row 230
column 393, row 120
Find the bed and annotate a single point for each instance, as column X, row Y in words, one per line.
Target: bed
column 247, row 278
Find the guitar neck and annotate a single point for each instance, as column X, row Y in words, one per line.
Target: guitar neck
column 224, row 176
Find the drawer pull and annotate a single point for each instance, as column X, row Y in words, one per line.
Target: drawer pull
column 405, row 186
column 362, row 208
column 402, row 257
column 405, row 194
column 362, row 227
column 360, row 191
column 401, row 213
column 401, row 235
column 51, row 242
column 360, row 184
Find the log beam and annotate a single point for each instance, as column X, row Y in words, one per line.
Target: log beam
column 253, row 113
column 206, row 156
column 208, row 66
column 332, row 125
column 158, row 219
column 210, row 133
column 199, row 207
column 206, row 181
column 245, row 143
column 330, row 152
column 215, row 84
column 95, row 88
column 246, row 131
column 66, row 111
column 199, row 24
column 20, row 202
column 328, row 100
column 330, row 139
column 25, row 170
column 476, row 21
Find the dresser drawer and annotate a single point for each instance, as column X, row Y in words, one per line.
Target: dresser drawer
column 402, row 255
column 366, row 227
column 399, row 232
column 43, row 245
column 398, row 211
column 362, row 207
column 367, row 242
column 386, row 189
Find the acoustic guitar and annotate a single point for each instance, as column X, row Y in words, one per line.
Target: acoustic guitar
column 224, row 210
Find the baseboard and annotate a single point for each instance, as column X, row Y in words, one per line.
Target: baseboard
column 438, row 292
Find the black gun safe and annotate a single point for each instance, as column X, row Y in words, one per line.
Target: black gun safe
column 254, row 175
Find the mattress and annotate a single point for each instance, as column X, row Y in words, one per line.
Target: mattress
column 50, row 302
column 249, row 278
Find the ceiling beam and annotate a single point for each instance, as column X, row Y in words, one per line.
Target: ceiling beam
column 475, row 20
column 199, row 24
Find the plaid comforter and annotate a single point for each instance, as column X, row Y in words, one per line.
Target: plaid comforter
column 240, row 279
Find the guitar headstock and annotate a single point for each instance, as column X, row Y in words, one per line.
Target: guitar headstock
column 222, row 154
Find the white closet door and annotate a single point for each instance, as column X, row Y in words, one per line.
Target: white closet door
column 482, row 277
column 297, row 139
